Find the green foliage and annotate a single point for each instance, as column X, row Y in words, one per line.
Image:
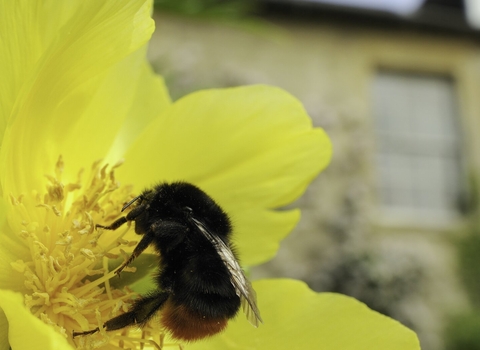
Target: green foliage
column 218, row 9
column 468, row 245
column 468, row 255
column 463, row 332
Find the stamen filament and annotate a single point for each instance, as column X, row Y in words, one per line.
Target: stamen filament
column 87, row 287
column 67, row 273
column 41, row 310
column 140, row 340
column 107, row 282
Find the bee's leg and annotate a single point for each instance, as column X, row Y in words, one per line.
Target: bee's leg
column 120, row 221
column 76, row 334
column 142, row 310
column 141, row 246
column 114, row 225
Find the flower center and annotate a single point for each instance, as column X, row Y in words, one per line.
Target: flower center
column 67, row 269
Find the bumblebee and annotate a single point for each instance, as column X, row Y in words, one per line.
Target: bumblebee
column 199, row 284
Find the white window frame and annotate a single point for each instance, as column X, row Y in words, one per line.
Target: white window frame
column 410, row 133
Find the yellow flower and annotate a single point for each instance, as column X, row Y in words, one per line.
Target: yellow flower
column 77, row 97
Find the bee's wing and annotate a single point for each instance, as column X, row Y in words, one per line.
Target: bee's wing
column 243, row 288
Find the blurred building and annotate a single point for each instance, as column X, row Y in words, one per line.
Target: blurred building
column 396, row 85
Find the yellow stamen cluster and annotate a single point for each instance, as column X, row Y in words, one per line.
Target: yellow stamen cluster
column 66, row 273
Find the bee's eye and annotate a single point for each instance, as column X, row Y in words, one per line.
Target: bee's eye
column 188, row 210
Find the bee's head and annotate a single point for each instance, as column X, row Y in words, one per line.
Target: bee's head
column 181, row 201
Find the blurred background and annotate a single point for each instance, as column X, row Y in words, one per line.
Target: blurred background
column 394, row 220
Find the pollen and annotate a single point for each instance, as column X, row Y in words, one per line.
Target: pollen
column 66, row 273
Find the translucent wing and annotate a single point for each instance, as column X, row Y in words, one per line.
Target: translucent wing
column 242, row 285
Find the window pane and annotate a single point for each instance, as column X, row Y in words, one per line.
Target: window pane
column 418, row 155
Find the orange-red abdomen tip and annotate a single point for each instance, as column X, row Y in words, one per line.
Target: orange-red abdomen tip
column 188, row 325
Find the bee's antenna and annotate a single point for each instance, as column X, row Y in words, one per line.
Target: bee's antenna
column 132, row 201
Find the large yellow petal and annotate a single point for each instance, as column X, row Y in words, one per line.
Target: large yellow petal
column 24, row 36
column 251, row 148
column 12, row 249
column 150, row 100
column 25, row 331
column 295, row 317
column 92, row 51
column 4, row 345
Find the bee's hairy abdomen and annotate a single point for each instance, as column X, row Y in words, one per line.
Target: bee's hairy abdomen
column 186, row 324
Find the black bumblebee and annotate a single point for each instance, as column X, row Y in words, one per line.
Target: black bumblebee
column 200, row 282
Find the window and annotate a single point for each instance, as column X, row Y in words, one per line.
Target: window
column 418, row 145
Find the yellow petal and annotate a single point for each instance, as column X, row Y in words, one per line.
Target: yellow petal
column 11, row 250
column 251, row 148
column 24, row 37
column 25, row 331
column 257, row 233
column 150, row 100
column 297, row 318
column 71, row 74
column 3, row 212
column 4, row 344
